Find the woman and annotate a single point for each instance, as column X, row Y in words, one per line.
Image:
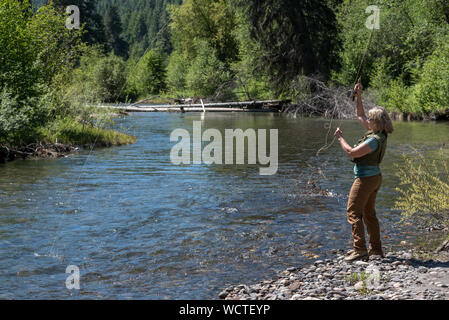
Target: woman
column 367, row 156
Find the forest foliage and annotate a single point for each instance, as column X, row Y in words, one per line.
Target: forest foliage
column 216, row 49
column 238, row 49
column 235, row 49
column 51, row 76
column 41, row 60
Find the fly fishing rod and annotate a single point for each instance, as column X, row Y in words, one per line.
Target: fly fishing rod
column 352, row 93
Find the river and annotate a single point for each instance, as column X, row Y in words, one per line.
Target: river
column 139, row 227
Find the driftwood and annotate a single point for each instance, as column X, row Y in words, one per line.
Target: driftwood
column 54, row 150
column 267, row 105
column 316, row 98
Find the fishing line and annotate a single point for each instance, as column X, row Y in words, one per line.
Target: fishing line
column 358, row 75
column 96, row 139
column 76, row 186
column 364, row 56
column 352, row 95
column 93, row 145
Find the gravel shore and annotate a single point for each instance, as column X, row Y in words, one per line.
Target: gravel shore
column 401, row 275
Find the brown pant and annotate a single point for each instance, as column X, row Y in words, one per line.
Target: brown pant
column 361, row 208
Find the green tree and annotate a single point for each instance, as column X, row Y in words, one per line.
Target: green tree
column 204, row 20
column 251, row 79
column 145, row 23
column 207, row 75
column 297, row 37
column 148, row 75
column 113, row 30
column 177, row 69
column 92, row 22
column 163, row 38
column 99, row 78
column 408, row 30
column 36, row 50
column 432, row 89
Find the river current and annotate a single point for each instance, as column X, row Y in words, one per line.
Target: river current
column 139, row 227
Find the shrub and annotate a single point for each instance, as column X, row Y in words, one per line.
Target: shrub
column 207, row 75
column 424, row 189
column 176, row 73
column 35, row 49
column 148, row 76
column 14, row 116
column 109, row 76
column 399, row 97
column 99, row 78
column 432, row 91
column 20, row 118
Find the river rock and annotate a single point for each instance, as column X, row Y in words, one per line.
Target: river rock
column 359, row 285
column 399, row 280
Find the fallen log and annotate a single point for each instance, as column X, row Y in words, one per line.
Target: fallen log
column 267, row 106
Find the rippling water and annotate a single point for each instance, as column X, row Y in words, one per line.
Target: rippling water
column 139, row 227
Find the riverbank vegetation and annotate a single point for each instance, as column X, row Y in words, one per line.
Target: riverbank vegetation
column 424, row 190
column 309, row 52
column 240, row 50
column 39, row 58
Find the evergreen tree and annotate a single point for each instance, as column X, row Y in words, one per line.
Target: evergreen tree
column 92, row 21
column 163, row 39
column 113, row 30
column 145, row 23
column 297, row 37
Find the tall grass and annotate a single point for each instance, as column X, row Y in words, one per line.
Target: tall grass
column 70, row 131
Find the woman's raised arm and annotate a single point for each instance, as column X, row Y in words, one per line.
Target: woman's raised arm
column 360, row 112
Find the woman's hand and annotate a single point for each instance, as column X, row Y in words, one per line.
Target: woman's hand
column 338, row 133
column 358, row 87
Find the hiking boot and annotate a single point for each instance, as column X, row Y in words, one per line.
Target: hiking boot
column 355, row 255
column 349, row 252
column 375, row 255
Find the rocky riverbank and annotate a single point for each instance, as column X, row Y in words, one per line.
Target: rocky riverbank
column 402, row 275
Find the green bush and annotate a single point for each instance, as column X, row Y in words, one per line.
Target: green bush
column 399, row 97
column 429, row 91
column 148, row 75
column 36, row 51
column 99, row 79
column 14, row 115
column 109, row 75
column 176, row 73
column 424, row 189
column 18, row 61
column 207, row 76
column 432, row 90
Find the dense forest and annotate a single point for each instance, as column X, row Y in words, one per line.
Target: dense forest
column 145, row 23
column 216, row 49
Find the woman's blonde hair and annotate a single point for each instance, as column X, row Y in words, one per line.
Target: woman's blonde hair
column 380, row 120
